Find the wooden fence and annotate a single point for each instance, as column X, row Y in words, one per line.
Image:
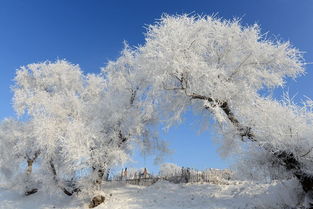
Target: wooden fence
column 186, row 175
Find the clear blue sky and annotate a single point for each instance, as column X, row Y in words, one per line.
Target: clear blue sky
column 91, row 32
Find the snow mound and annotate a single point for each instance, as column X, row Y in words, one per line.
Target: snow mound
column 166, row 195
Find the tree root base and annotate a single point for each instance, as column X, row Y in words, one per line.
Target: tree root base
column 30, row 192
column 97, row 200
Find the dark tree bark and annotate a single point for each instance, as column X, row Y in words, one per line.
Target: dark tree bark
column 285, row 158
column 99, row 173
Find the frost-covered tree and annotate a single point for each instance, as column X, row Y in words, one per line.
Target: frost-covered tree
column 83, row 125
column 219, row 67
column 57, row 98
column 50, row 95
column 133, row 113
column 170, row 169
column 120, row 121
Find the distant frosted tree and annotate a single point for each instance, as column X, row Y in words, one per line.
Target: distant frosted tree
column 170, row 169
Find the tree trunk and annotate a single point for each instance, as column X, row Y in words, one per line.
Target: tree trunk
column 67, row 192
column 285, row 158
column 29, row 167
column 29, row 189
column 99, row 173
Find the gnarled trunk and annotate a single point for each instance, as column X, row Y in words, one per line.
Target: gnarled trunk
column 285, row 158
column 29, row 189
column 55, row 178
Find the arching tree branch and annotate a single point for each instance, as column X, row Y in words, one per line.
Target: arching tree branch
column 287, row 159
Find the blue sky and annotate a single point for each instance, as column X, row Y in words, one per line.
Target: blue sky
column 90, row 33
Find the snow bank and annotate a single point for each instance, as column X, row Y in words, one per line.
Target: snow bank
column 166, row 195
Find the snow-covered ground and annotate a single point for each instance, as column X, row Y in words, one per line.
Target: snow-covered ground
column 165, row 195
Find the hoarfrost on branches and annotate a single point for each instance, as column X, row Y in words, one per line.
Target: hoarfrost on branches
column 90, row 123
